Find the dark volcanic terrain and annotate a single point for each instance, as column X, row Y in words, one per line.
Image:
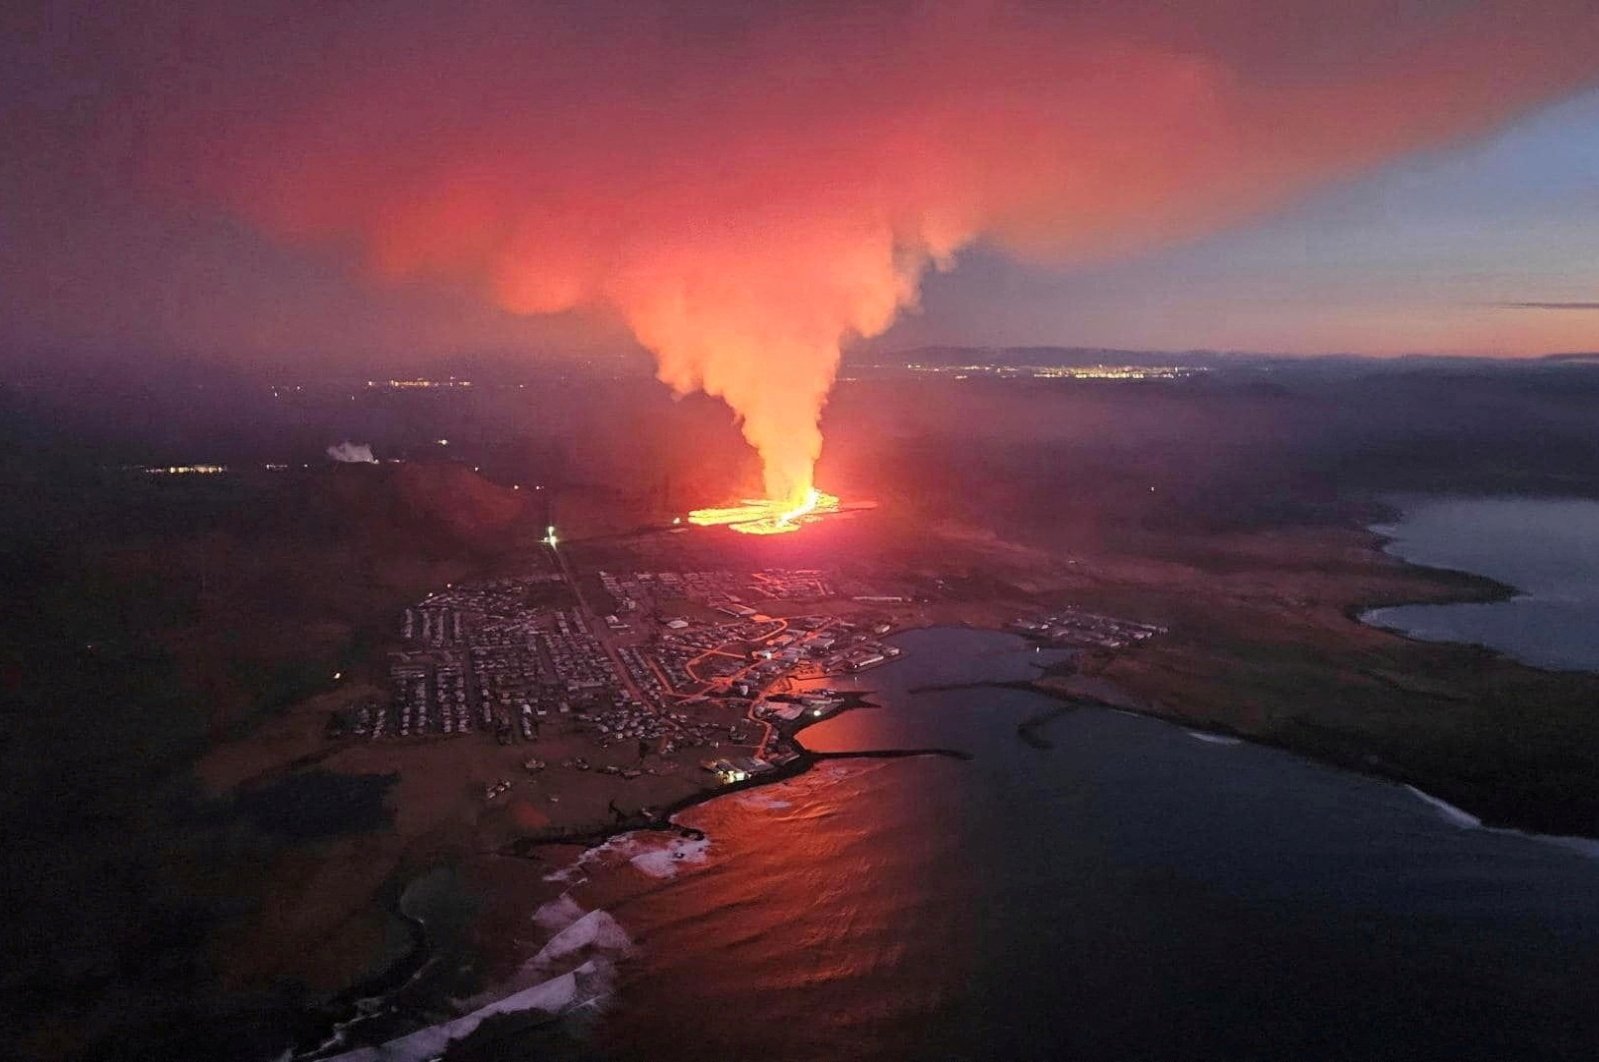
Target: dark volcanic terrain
column 191, row 861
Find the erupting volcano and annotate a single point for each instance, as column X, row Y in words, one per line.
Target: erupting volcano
column 761, row 517
column 748, row 188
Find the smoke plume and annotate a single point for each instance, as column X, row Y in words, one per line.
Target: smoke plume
column 751, row 186
column 352, row 453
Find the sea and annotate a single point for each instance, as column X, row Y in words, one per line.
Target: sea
column 1117, row 888
column 1547, row 549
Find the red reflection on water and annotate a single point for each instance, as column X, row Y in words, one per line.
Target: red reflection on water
column 809, row 933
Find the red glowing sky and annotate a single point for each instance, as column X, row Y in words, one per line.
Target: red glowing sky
column 231, row 177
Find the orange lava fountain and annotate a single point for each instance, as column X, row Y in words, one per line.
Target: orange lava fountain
column 765, row 517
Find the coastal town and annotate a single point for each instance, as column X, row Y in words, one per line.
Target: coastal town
column 641, row 673
column 696, row 678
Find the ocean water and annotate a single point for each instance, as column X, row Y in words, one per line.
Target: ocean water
column 1548, row 549
column 1135, row 890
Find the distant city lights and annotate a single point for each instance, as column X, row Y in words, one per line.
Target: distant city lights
column 185, row 470
column 420, row 383
column 1061, row 372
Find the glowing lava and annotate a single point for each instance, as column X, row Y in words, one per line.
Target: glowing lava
column 766, row 517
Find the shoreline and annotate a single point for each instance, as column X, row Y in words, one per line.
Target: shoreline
column 662, row 821
column 320, row 1024
column 1364, row 767
column 583, row 840
column 1491, row 591
column 1355, row 761
column 1473, row 587
column 1455, row 586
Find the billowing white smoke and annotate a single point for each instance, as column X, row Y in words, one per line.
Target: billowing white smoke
column 352, row 453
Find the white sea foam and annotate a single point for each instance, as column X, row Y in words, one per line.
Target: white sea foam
column 833, row 770
column 599, row 855
column 557, row 914
column 762, row 799
column 1213, row 739
column 647, row 852
column 665, row 861
column 596, row 931
column 1586, row 846
column 575, row 969
column 1464, row 819
column 571, row 874
column 550, row 997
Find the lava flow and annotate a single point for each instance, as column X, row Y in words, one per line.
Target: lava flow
column 765, row 517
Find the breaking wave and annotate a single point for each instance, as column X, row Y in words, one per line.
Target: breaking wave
column 1213, row 739
column 595, row 932
column 1587, row 846
column 550, row 997
column 575, row 968
column 648, row 853
column 1464, row 819
column 557, row 914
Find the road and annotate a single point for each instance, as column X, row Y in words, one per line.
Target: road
column 597, row 626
